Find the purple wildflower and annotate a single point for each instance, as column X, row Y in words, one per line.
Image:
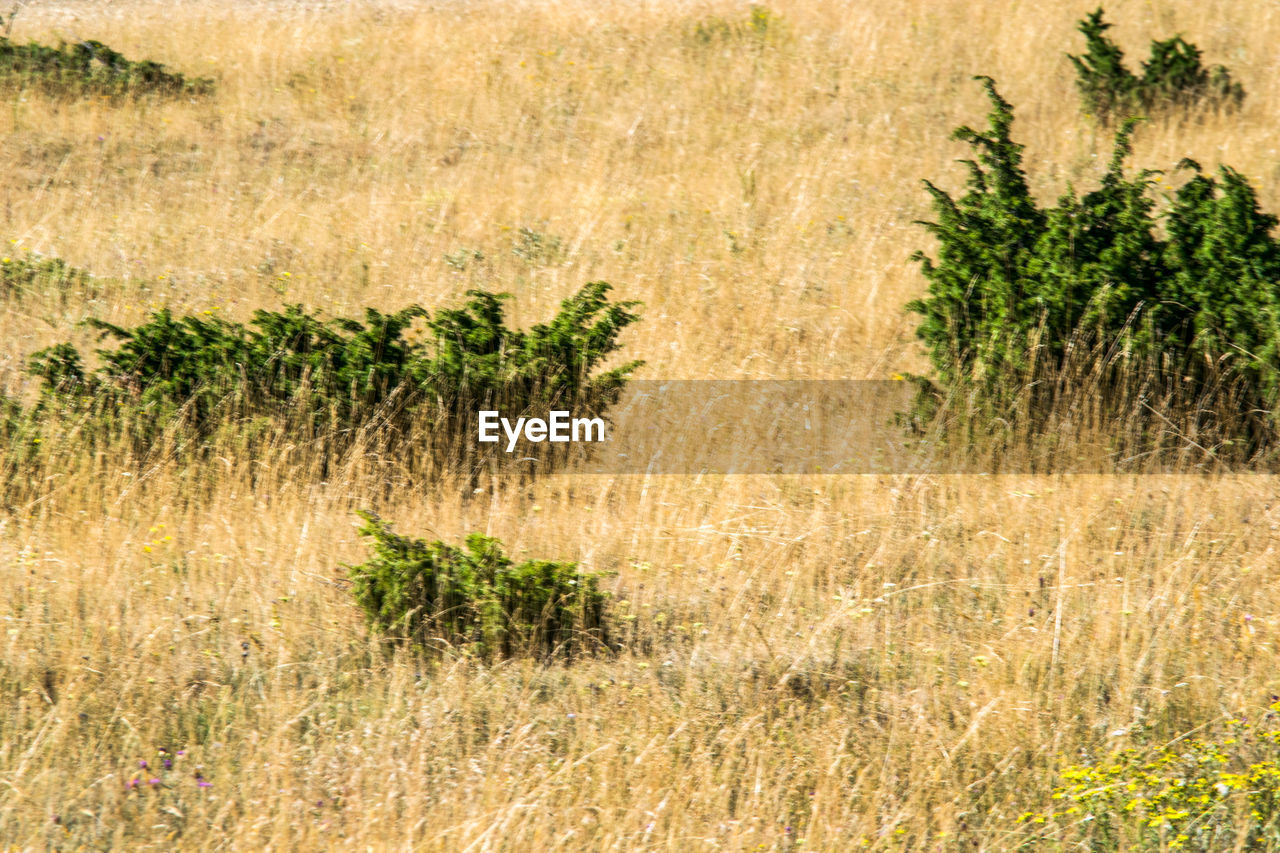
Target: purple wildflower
column 153, row 781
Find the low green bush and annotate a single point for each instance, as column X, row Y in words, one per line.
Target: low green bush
column 26, row 274
column 476, row 599
column 90, row 67
column 335, row 376
column 1174, row 299
column 1173, row 78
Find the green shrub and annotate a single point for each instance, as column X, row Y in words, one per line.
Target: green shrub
column 1172, row 78
column 90, row 67
column 26, row 273
column 1178, row 300
column 1206, row 794
column 435, row 596
column 336, row 376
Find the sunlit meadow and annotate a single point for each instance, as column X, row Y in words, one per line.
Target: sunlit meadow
column 826, row 663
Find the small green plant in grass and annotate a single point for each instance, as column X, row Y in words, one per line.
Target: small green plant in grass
column 760, row 26
column 1173, row 78
column 1181, row 291
column 26, row 274
column 90, row 68
column 464, row 258
column 536, row 248
column 1220, row 792
column 476, row 599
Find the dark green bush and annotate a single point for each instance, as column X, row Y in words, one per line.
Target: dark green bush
column 336, row 376
column 1172, row 78
column 90, row 67
column 1181, row 298
column 435, row 596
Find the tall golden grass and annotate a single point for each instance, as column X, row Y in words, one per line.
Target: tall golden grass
column 834, row 663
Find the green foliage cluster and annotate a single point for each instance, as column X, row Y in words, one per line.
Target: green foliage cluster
column 90, row 67
column 536, row 248
column 435, row 596
column 758, row 27
column 11, row 418
column 1205, row 795
column 1172, row 78
column 464, row 258
column 1183, row 295
column 337, row 375
column 27, row 273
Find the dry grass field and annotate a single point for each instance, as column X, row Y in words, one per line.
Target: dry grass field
column 831, row 663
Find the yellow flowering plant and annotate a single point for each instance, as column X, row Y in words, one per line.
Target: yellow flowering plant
column 1204, row 794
